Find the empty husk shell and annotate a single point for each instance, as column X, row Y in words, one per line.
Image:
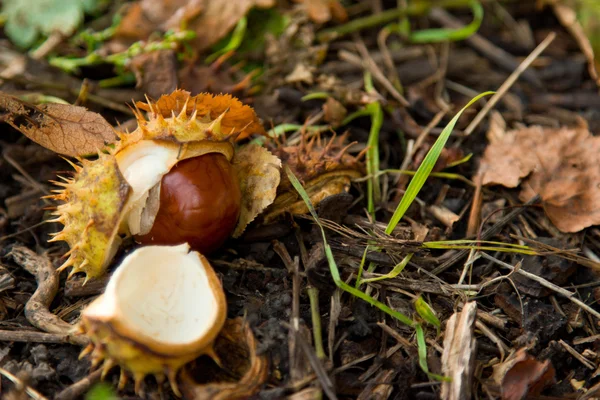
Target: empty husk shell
column 163, row 307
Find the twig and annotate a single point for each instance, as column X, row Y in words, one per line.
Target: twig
column 34, row 394
column 498, row 56
column 545, row 283
column 502, row 348
column 508, row 83
column 486, row 235
column 370, row 65
column 22, row 171
column 78, row 388
column 37, row 307
column 575, row 354
column 36, row 337
column 315, row 363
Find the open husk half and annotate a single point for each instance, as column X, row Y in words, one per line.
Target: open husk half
column 163, row 307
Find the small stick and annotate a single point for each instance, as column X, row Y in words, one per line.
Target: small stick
column 508, row 83
column 545, row 283
column 35, row 337
column 370, row 65
column 78, row 388
column 34, row 394
column 475, row 215
column 575, row 354
column 37, row 307
column 498, row 56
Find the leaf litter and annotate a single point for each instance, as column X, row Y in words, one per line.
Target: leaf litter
column 304, row 89
column 560, row 165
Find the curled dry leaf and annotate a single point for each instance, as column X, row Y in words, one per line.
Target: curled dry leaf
column 63, row 128
column 561, row 165
column 522, row 375
column 258, row 174
column 246, row 370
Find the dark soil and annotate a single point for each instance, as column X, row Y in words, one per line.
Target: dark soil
column 366, row 362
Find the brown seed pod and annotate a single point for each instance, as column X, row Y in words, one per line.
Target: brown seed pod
column 324, row 167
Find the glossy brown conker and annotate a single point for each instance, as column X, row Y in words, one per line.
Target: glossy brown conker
column 199, row 204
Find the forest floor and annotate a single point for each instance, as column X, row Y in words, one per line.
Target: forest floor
column 483, row 286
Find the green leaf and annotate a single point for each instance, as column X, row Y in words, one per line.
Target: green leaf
column 101, row 391
column 393, row 273
column 426, row 312
column 426, row 167
column 333, row 269
column 452, row 35
column 27, row 20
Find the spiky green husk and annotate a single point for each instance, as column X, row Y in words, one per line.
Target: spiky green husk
column 110, row 349
column 93, row 203
column 324, row 168
column 96, row 199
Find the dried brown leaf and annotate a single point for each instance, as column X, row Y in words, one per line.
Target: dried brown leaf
column 243, row 370
column 259, row 176
column 210, row 19
column 155, row 72
column 560, row 165
column 521, row 375
column 321, row 11
column 63, row 128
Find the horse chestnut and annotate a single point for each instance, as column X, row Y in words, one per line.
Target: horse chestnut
column 199, row 204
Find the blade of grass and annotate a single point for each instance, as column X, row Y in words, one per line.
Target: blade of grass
column 361, row 268
column 441, row 243
column 426, row 167
column 461, row 161
column 393, row 273
column 452, row 35
column 333, row 269
column 427, row 313
column 313, row 296
column 237, row 37
column 443, row 175
column 372, row 156
column 422, row 348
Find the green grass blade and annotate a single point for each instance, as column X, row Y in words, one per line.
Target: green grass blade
column 440, row 244
column 427, row 313
column 461, row 161
column 373, row 188
column 422, row 348
column 333, row 269
column 361, row 268
column 451, row 35
column 443, row 175
column 237, row 37
column 393, row 273
column 426, row 167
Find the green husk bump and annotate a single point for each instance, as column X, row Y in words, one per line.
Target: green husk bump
column 93, row 207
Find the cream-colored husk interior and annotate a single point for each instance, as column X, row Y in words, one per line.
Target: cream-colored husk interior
column 143, row 165
column 161, row 292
